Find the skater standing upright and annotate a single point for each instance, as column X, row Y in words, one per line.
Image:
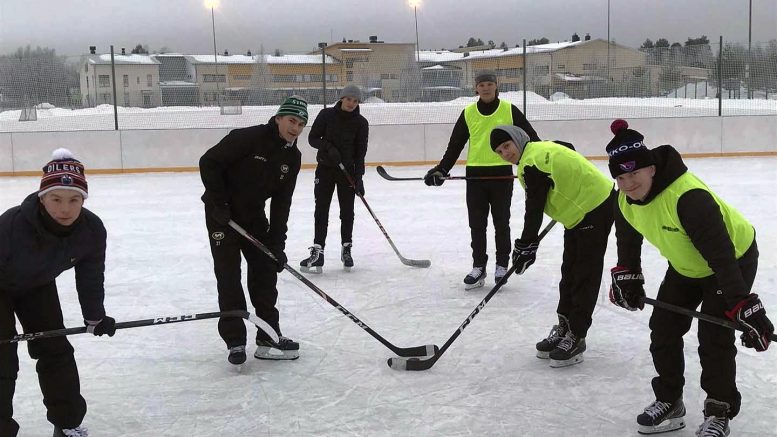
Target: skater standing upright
column 50, row 232
column 713, row 259
column 245, row 169
column 340, row 135
column 567, row 187
column 474, row 125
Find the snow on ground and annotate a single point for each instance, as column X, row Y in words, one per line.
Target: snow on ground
column 174, row 380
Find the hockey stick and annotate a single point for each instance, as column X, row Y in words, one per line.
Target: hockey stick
column 406, row 261
column 385, row 175
column 261, row 324
column 427, row 362
column 701, row 316
column 425, row 350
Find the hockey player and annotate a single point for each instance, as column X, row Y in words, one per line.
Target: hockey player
column 474, row 125
column 50, row 232
column 713, row 258
column 240, row 173
column 571, row 190
column 340, row 135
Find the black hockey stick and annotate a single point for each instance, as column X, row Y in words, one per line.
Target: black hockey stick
column 406, row 261
column 261, row 324
column 382, row 171
column 701, row 316
column 427, row 362
column 417, row 351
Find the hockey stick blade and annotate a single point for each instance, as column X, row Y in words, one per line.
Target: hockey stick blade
column 425, row 350
column 422, row 263
column 384, row 174
column 425, row 363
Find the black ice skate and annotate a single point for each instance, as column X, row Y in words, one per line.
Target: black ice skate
column 568, row 352
column 557, row 333
column 715, row 419
column 475, row 279
column 237, row 355
column 345, row 256
column 285, row 349
column 78, row 431
column 499, row 273
column 315, row 261
column 662, row 417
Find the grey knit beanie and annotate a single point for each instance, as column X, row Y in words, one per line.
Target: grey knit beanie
column 351, row 91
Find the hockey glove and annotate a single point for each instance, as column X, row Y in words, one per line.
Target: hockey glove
column 627, row 289
column 106, row 326
column 435, row 177
column 334, row 155
column 524, row 254
column 221, row 214
column 751, row 315
column 280, row 257
column 359, row 186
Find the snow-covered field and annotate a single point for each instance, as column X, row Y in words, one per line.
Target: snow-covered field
column 174, row 380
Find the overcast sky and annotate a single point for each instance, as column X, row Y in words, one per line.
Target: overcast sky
column 71, row 26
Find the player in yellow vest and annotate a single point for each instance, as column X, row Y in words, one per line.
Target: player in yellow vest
column 474, row 125
column 713, row 259
column 567, row 187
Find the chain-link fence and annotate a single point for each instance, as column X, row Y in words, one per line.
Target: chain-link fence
column 583, row 79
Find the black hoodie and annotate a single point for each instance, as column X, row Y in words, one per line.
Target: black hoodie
column 347, row 131
column 32, row 255
column 701, row 218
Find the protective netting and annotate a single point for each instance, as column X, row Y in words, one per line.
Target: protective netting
column 584, row 79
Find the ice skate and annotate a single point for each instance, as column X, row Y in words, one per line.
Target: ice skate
column 315, row 262
column 78, row 431
column 715, row 419
column 475, row 279
column 661, row 417
column 568, row 352
column 345, row 256
column 285, row 349
column 499, row 273
column 549, row 343
column 237, row 355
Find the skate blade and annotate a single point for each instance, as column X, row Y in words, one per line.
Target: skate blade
column 543, row 355
column 238, row 368
column 315, row 269
column 347, row 269
column 271, row 353
column 478, row 284
column 665, row 426
column 565, row 363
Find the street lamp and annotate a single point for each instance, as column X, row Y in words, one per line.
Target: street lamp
column 608, row 44
column 749, row 42
column 213, row 4
column 414, row 4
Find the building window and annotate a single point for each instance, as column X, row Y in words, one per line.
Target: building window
column 146, row 101
column 104, row 80
column 126, row 98
column 349, row 76
column 349, row 63
column 86, row 68
column 541, row 69
column 126, row 80
column 138, row 80
column 87, row 82
column 221, row 78
column 242, row 77
column 589, row 67
column 283, row 78
column 560, row 66
column 148, row 80
column 106, row 97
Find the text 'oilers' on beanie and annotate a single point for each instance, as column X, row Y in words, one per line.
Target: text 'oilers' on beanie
column 627, row 151
column 296, row 106
column 63, row 172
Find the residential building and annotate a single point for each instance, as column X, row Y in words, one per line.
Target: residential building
column 137, row 79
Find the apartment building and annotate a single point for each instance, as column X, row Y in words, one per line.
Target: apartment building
column 137, row 80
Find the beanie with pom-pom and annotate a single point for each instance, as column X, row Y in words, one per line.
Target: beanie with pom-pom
column 64, row 171
column 627, row 151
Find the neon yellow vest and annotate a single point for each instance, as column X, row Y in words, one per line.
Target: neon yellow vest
column 578, row 186
column 480, row 126
column 659, row 223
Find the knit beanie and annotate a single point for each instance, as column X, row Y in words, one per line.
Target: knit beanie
column 351, row 91
column 485, row 76
column 503, row 133
column 63, row 172
column 296, row 106
column 626, row 150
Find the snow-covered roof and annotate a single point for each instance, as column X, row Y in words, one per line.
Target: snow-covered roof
column 356, row 50
column 122, row 59
column 177, row 83
column 442, row 67
column 269, row 59
column 448, row 56
column 566, row 77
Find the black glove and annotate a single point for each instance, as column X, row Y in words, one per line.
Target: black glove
column 359, row 186
column 106, row 326
column 524, row 254
column 334, row 155
column 751, row 315
column 436, row 176
column 221, row 213
column 627, row 288
column 280, row 257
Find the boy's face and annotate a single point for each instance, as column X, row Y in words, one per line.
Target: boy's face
column 508, row 151
column 486, row 91
column 349, row 104
column 289, row 127
column 636, row 185
column 64, row 206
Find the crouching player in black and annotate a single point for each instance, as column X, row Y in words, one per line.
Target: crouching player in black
column 713, row 258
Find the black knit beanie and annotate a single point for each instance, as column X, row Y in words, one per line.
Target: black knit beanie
column 627, row 150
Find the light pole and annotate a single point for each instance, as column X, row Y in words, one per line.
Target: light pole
column 213, row 4
column 749, row 41
column 414, row 4
column 608, row 43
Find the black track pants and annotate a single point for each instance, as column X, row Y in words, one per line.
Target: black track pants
column 495, row 195
column 327, row 179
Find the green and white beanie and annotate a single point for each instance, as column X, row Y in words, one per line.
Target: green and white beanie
column 296, row 106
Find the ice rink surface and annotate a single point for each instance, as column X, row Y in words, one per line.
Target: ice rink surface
column 174, row 380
